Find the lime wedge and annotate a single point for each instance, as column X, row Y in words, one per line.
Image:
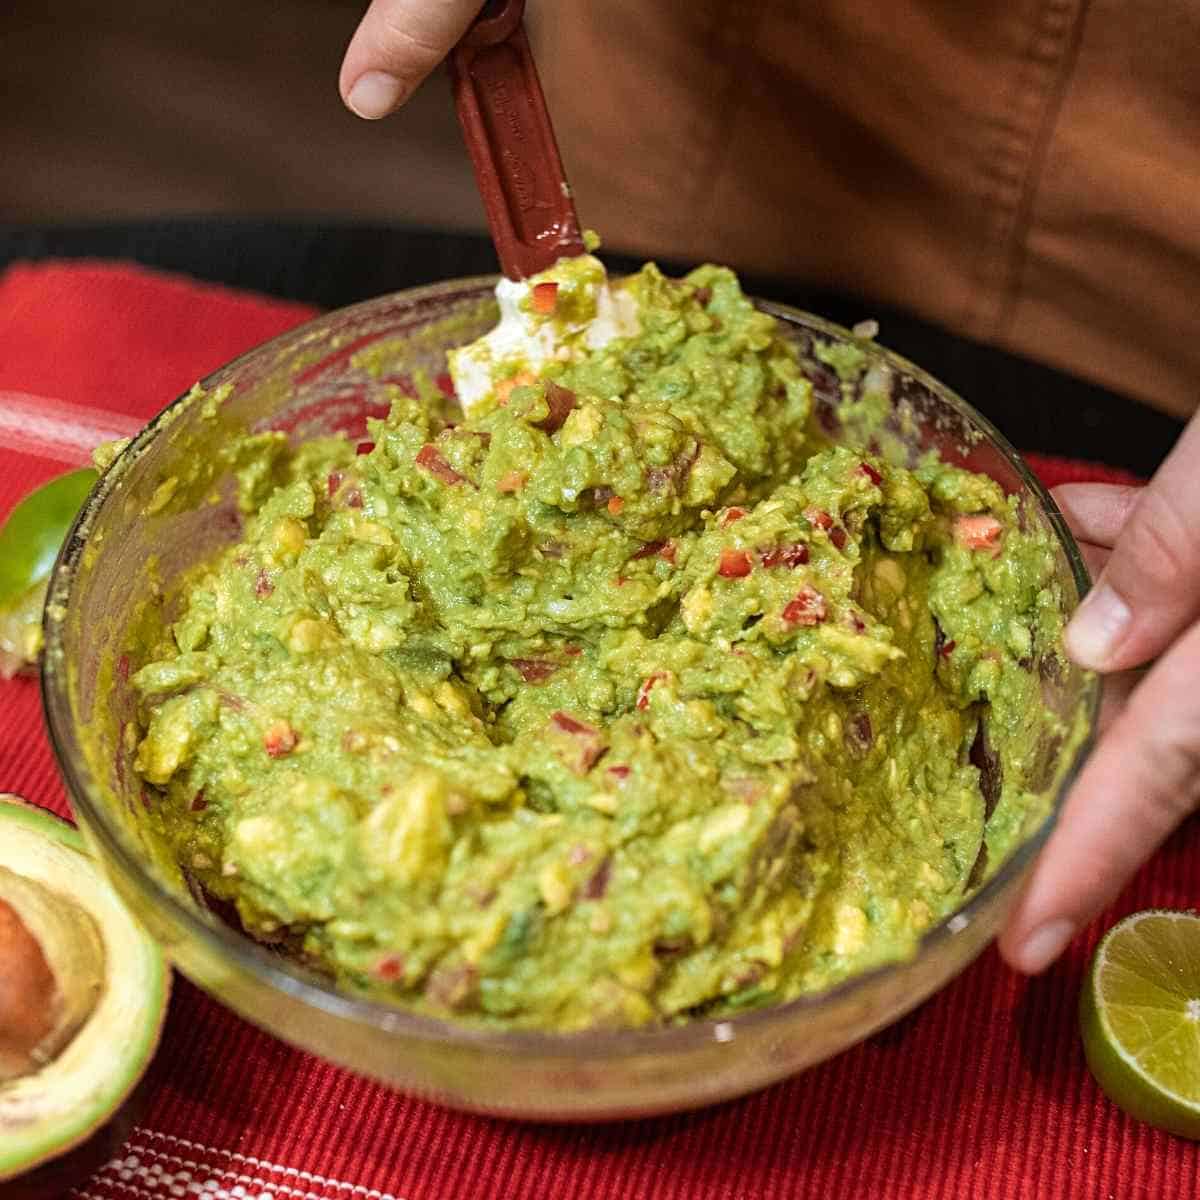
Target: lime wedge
column 30, row 539
column 1139, row 1013
column 31, row 535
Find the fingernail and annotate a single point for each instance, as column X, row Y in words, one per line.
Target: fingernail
column 1097, row 628
column 374, row 95
column 1045, row 944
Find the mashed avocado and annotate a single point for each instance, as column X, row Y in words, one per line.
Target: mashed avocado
column 627, row 698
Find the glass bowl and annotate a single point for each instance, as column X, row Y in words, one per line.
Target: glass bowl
column 138, row 532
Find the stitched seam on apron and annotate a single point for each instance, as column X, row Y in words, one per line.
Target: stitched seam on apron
column 1019, row 245
column 1018, row 136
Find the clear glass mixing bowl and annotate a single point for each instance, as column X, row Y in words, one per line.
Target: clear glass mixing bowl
column 136, row 535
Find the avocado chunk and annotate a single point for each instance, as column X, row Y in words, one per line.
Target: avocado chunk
column 83, row 992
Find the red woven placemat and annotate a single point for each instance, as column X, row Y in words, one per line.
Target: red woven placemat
column 982, row 1092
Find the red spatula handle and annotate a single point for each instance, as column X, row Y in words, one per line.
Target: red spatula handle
column 503, row 115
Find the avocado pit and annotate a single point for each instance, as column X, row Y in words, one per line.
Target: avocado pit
column 83, row 991
column 51, row 973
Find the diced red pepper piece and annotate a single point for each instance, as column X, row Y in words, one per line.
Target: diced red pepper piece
column 735, row 564
column 199, row 803
column 837, row 535
column 730, row 515
column 560, row 401
column 643, row 696
column 354, row 498
column 263, row 586
column 544, row 298
column 364, row 447
column 947, row 648
column 389, row 968
column 980, row 531
column 665, row 550
column 793, row 555
column 280, row 739
column 334, row 482
column 589, row 746
column 569, row 724
column 615, row 504
column 806, row 608
column 872, row 474
column 430, row 459
column 513, row 481
column 534, row 670
column 572, row 651
column 619, row 771
column 818, row 518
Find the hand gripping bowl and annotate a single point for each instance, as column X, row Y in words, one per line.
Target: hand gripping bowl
column 120, row 566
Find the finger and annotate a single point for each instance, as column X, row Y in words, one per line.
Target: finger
column 397, row 43
column 1150, row 589
column 1095, row 558
column 1115, row 698
column 1096, row 512
column 1141, row 781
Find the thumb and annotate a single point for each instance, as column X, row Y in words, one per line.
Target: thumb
column 1139, row 784
column 1149, row 591
column 397, row 43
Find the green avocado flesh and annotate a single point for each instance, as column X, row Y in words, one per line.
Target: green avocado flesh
column 48, row 1111
column 628, row 698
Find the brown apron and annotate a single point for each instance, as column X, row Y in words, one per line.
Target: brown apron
column 1024, row 172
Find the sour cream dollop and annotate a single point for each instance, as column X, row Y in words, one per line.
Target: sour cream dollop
column 558, row 315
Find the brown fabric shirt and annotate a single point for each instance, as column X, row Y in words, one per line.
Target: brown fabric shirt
column 1024, row 172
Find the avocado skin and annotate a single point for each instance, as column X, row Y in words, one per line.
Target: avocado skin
column 52, row 1165
column 55, row 1178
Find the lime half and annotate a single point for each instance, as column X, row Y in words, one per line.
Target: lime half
column 1140, row 1017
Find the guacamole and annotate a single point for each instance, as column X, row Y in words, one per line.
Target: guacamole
column 625, row 697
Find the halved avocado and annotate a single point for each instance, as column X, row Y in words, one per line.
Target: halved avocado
column 83, row 992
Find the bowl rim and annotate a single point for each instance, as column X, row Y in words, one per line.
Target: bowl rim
column 314, row 991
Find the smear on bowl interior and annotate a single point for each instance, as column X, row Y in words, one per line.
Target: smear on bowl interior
column 619, row 697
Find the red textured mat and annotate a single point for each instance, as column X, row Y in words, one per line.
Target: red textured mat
column 982, row 1093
